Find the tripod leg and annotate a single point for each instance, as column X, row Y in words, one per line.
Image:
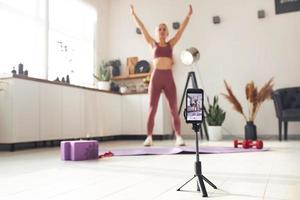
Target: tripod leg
column 198, row 187
column 201, row 134
column 184, row 91
column 186, row 183
column 200, row 131
column 194, row 80
column 205, row 129
column 203, row 189
column 209, row 182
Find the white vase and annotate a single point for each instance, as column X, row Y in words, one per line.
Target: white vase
column 215, row 133
column 104, row 85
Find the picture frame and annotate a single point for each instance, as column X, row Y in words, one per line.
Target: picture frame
column 285, row 6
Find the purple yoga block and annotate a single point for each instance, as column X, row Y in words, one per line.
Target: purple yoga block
column 79, row 150
column 65, row 150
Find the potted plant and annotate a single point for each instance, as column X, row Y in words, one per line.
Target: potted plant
column 215, row 117
column 103, row 76
column 255, row 98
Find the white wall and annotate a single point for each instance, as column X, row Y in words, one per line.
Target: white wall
column 240, row 49
column 101, row 42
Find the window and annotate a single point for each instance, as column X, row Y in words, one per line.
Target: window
column 71, row 41
column 22, row 36
column 54, row 33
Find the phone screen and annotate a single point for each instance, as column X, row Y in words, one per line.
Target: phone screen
column 194, row 106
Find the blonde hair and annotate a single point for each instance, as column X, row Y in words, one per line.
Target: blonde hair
column 162, row 24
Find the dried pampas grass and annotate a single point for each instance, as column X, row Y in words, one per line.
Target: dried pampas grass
column 254, row 98
column 263, row 95
column 233, row 100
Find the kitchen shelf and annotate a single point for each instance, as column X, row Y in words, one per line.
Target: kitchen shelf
column 131, row 76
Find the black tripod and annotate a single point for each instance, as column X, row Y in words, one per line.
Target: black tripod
column 198, row 169
column 192, row 76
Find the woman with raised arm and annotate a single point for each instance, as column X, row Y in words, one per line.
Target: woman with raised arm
column 162, row 78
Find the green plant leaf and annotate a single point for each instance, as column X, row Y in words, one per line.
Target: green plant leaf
column 215, row 115
column 103, row 73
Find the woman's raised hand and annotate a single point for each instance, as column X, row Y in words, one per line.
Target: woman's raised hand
column 132, row 10
column 190, row 10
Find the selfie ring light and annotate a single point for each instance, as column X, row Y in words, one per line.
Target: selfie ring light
column 190, row 56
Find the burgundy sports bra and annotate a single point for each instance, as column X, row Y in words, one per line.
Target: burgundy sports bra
column 159, row 51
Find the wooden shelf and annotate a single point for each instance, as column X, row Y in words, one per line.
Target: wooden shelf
column 131, row 76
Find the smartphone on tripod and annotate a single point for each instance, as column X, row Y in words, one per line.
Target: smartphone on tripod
column 194, row 115
column 194, row 106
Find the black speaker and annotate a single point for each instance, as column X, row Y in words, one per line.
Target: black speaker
column 261, row 14
column 138, row 31
column 216, row 19
column 176, row 25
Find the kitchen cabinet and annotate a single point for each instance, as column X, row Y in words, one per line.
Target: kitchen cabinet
column 25, row 111
column 132, row 115
column 50, row 107
column 111, row 114
column 40, row 110
column 72, row 113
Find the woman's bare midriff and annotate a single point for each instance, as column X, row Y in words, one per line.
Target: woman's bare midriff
column 163, row 63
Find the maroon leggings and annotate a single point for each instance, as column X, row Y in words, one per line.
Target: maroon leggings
column 162, row 80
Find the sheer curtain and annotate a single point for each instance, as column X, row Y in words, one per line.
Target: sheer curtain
column 50, row 37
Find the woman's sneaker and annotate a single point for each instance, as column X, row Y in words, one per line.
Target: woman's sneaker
column 179, row 141
column 148, row 141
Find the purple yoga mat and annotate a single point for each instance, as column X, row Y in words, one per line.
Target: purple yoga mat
column 177, row 150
